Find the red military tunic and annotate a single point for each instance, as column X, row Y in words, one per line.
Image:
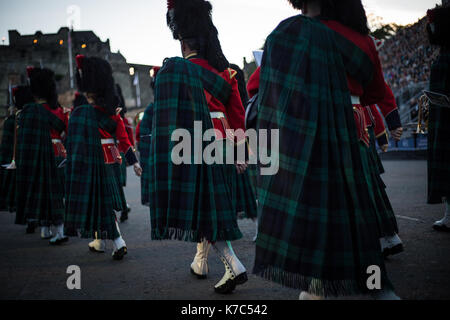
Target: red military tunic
column 58, row 147
column 111, row 150
column 253, row 83
column 234, row 111
column 375, row 91
column 129, row 129
column 138, row 132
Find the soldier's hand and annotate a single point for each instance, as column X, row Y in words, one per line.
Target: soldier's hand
column 137, row 169
column 397, row 134
column 384, row 147
column 241, row 167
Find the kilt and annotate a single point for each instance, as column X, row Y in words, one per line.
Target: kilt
column 374, row 153
column 92, row 187
column 60, row 173
column 188, row 201
column 144, row 149
column 39, row 196
column 7, row 177
column 245, row 196
column 439, row 134
column 387, row 223
column 115, row 171
column 144, row 146
column 317, row 221
column 123, row 171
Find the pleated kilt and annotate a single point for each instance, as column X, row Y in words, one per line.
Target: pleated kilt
column 144, row 147
column 7, row 189
column 386, row 220
column 123, row 171
column 373, row 150
column 439, row 134
column 60, row 172
column 188, row 202
column 7, row 177
column 245, row 196
column 118, row 194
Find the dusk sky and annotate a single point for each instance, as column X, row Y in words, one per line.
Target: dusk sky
column 138, row 27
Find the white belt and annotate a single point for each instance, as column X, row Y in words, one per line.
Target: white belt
column 217, row 115
column 356, row 100
column 56, row 141
column 108, row 141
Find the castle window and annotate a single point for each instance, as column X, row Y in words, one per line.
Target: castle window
column 83, row 46
column 131, row 71
column 35, row 41
column 61, row 42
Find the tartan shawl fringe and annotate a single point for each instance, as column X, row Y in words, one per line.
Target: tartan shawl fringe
column 194, row 236
column 319, row 287
column 320, row 200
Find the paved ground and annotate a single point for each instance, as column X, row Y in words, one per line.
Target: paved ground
column 30, row 269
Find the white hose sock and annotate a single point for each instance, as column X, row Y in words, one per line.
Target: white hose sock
column 60, row 230
column 119, row 243
column 225, row 250
column 446, row 220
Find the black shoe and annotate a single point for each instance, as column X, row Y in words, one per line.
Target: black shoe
column 30, row 229
column 393, row 251
column 199, row 276
column 124, row 216
column 119, row 254
column 241, row 279
column 227, row 288
column 396, row 250
column 92, row 249
column 441, row 228
column 58, row 242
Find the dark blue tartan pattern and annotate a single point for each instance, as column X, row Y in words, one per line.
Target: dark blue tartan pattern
column 188, row 202
column 39, row 195
column 439, row 133
column 144, row 149
column 387, row 222
column 91, row 185
column 7, row 177
column 245, row 196
column 317, row 223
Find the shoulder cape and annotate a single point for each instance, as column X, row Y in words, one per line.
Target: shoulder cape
column 316, row 229
column 187, row 202
column 89, row 204
column 39, row 194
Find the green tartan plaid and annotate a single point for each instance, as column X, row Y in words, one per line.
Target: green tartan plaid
column 92, row 188
column 387, row 221
column 188, row 202
column 317, row 223
column 245, row 196
column 39, row 195
column 117, row 171
column 7, row 177
column 144, row 149
column 373, row 149
column 123, row 171
column 439, row 134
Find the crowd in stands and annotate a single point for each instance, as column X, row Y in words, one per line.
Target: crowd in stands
column 407, row 57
